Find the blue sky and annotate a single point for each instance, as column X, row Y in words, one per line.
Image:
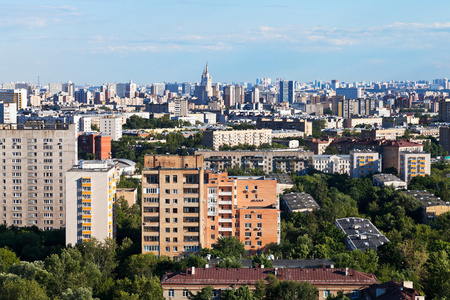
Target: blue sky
column 96, row 41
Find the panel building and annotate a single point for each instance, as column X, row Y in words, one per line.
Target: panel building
column 172, row 188
column 414, row 163
column 91, row 201
column 268, row 160
column 111, row 126
column 218, row 138
column 17, row 96
column 35, row 158
column 364, row 162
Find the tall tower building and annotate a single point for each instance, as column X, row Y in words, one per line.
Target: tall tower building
column 284, row 91
column 229, row 95
column 130, row 90
column 172, row 189
column 204, row 91
column 35, row 158
column 240, row 94
column 91, row 201
column 17, row 96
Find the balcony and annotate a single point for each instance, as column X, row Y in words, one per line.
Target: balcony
column 225, row 211
column 229, row 229
column 225, row 193
column 226, row 202
column 225, row 220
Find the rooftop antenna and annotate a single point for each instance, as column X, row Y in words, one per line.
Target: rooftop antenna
column 38, row 81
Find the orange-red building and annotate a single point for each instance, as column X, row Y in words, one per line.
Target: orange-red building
column 95, row 143
column 241, row 206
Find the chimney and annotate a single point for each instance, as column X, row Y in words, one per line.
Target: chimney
column 262, row 266
column 276, row 271
column 346, row 271
column 193, row 271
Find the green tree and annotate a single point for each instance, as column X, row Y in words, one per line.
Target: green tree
column 229, row 262
column 205, row 294
column 12, row 287
column 242, row 293
column 288, row 290
column 229, row 246
column 7, row 259
column 262, row 260
column 78, row 294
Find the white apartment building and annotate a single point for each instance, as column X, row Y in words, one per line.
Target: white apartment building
column 17, row 96
column 90, row 201
column 8, row 113
column 364, row 162
column 111, row 126
column 34, row 161
column 217, row 138
column 332, row 163
column 414, row 163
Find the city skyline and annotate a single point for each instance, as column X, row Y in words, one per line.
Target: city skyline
column 111, row 41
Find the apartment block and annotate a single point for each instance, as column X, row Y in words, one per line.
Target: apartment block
column 241, row 206
column 382, row 134
column 444, row 138
column 364, row 162
column 391, row 152
column 172, row 189
column 95, row 143
column 111, row 126
column 304, row 126
column 268, row 160
column 414, row 163
column 17, row 96
column 332, row 163
column 35, row 158
column 8, row 113
column 91, row 201
column 444, row 110
column 217, row 138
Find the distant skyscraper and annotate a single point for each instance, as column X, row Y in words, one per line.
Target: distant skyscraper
column 186, row 88
column 349, row 93
column 130, row 90
column 229, row 95
column 173, row 88
column 334, row 84
column 158, row 88
column 204, row 90
column 240, row 94
column 284, row 91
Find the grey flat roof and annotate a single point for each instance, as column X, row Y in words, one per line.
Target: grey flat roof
column 297, row 201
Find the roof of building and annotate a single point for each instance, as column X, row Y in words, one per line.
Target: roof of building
column 392, row 291
column 250, row 276
column 287, row 263
column 401, row 143
column 361, row 233
column 386, row 178
column 426, row 198
column 281, row 178
column 300, row 201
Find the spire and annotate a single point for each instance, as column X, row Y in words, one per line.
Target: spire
column 206, row 66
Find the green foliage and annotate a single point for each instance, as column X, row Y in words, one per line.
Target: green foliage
column 317, row 127
column 238, row 171
column 136, row 122
column 262, row 260
column 331, row 150
column 432, row 146
column 243, row 126
column 242, row 293
column 128, row 222
column 13, row 287
column 78, row 294
column 94, row 127
column 287, row 290
column 7, row 259
column 228, row 246
column 205, row 294
column 229, row 262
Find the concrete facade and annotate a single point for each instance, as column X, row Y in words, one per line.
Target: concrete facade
column 217, row 138
column 414, row 164
column 35, row 158
column 364, row 162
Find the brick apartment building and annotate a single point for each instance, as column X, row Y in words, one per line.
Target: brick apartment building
column 95, row 143
column 244, row 207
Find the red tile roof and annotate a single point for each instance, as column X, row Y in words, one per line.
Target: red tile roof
column 245, row 276
column 401, row 143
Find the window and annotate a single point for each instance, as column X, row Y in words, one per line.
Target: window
column 175, row 191
column 167, row 249
column 248, row 225
column 259, row 243
column 326, row 293
column 185, row 293
column 175, row 210
column 175, row 220
column 175, row 249
column 167, row 239
column 259, row 216
column 167, row 178
column 248, row 234
column 171, row 292
column 167, row 220
column 190, row 200
column 248, row 243
column 259, row 234
column 259, row 225
column 151, row 248
column 175, row 179
column 151, row 200
column 152, row 179
column 167, row 201
column 175, row 201
column 167, row 191
column 151, row 191
column 248, row 216
column 213, row 236
column 175, row 230
column 355, row 294
column 213, row 227
column 246, row 187
column 191, row 178
column 167, row 229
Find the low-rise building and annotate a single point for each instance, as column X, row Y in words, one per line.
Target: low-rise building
column 390, row 151
column 364, row 162
column 284, row 160
column 361, row 234
column 304, row 126
column 388, row 180
column 284, row 181
column 299, row 202
column 328, row 282
column 218, row 138
column 414, row 163
column 129, row 194
column 371, row 121
column 332, row 163
column 431, row 206
column 383, row 134
column 318, row 146
column 392, row 290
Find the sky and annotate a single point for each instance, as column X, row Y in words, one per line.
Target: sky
column 99, row 41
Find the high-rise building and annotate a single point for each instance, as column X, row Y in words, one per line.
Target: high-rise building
column 204, row 91
column 173, row 88
column 444, row 138
column 229, row 95
column 172, row 188
column 158, row 88
column 111, row 126
column 240, row 93
column 391, row 152
column 130, row 90
column 444, row 110
column 91, row 201
column 95, row 143
column 284, row 91
column 17, row 96
column 243, row 207
column 35, row 158
column 414, row 163
column 55, row 88
column 8, row 113
column 181, row 107
column 349, row 93
column 186, row 89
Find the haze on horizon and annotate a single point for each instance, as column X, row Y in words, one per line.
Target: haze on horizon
column 154, row 41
